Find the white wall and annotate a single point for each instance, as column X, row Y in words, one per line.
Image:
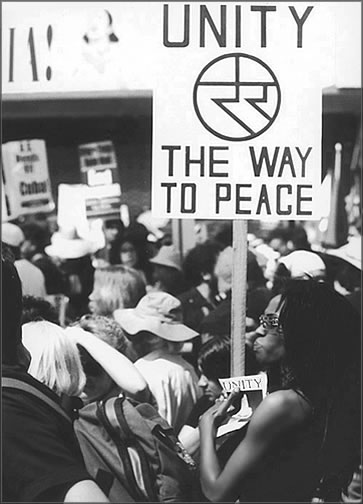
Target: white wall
column 128, row 63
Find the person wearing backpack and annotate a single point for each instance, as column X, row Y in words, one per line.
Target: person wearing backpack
column 105, row 359
column 157, row 334
column 126, row 445
column 41, row 460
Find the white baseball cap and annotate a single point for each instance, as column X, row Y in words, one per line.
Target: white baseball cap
column 302, row 263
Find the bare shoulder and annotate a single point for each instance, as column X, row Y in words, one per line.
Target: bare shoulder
column 281, row 410
column 285, row 399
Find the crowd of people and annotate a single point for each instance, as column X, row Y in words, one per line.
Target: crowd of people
column 134, row 319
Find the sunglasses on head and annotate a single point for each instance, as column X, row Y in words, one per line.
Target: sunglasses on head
column 269, row 320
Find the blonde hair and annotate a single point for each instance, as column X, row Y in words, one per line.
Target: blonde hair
column 55, row 359
column 117, row 287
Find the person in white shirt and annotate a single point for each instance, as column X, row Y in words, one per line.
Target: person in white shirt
column 157, row 334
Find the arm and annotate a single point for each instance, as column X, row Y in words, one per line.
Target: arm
column 117, row 366
column 276, row 414
column 85, row 491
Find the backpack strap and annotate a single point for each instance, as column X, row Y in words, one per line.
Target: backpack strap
column 111, row 415
column 14, row 383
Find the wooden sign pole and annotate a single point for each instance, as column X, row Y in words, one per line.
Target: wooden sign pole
column 239, row 292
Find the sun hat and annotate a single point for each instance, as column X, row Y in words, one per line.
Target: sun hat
column 302, row 262
column 351, row 252
column 168, row 256
column 11, row 234
column 66, row 244
column 158, row 313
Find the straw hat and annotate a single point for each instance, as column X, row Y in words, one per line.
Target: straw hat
column 158, row 313
column 168, row 256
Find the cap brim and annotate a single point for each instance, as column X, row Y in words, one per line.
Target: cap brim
column 132, row 323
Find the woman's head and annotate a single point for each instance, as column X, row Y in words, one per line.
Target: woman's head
column 133, row 247
column 129, row 255
column 55, row 360
column 113, row 229
column 115, row 287
column 214, row 363
column 321, row 335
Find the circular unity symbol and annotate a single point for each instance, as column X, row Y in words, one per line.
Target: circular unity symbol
column 237, row 97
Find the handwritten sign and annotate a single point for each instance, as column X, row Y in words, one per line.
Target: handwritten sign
column 26, row 179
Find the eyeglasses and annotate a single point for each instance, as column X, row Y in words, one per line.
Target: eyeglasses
column 270, row 320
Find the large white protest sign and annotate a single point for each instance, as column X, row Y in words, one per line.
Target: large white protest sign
column 238, row 110
column 26, row 179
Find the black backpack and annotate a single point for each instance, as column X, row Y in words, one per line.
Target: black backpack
column 137, row 448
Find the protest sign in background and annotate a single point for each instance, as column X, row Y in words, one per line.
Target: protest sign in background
column 25, row 177
column 100, row 172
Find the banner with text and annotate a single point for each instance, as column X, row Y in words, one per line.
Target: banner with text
column 238, row 110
